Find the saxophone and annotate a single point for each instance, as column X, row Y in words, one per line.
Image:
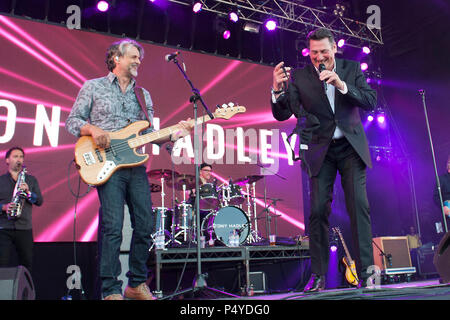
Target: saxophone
column 19, row 197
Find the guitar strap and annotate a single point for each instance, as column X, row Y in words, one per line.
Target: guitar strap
column 139, row 92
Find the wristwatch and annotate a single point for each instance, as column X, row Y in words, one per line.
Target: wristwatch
column 277, row 91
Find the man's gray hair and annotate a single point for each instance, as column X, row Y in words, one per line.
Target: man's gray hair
column 118, row 49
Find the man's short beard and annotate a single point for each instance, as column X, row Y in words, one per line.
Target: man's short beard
column 133, row 72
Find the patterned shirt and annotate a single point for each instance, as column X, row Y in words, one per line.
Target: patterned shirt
column 102, row 103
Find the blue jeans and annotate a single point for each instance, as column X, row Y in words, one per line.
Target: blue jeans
column 130, row 186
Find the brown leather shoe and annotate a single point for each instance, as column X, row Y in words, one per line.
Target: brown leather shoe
column 115, row 296
column 141, row 292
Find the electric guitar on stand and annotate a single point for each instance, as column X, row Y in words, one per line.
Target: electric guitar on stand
column 350, row 268
column 96, row 165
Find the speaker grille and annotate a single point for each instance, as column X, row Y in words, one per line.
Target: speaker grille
column 395, row 247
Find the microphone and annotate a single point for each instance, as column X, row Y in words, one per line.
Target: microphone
column 285, row 83
column 322, row 68
column 169, row 57
column 389, row 258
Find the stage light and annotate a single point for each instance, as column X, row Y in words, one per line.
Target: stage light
column 271, row 25
column 226, row 34
column 381, row 118
column 339, row 10
column 233, row 16
column 305, row 52
column 102, row 6
column 370, row 118
column 251, row 27
column 364, row 66
column 341, row 43
column 197, row 7
column 333, row 248
column 366, row 50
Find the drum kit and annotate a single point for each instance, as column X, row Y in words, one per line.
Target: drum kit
column 225, row 210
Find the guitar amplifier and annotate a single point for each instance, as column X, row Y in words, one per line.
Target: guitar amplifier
column 397, row 249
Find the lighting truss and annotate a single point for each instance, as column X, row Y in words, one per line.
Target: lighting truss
column 295, row 17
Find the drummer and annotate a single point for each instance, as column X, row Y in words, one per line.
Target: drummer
column 205, row 175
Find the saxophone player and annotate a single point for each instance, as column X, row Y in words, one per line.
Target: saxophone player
column 16, row 231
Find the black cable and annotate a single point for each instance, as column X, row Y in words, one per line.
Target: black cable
column 77, row 196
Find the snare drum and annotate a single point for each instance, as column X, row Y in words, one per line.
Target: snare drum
column 236, row 197
column 209, row 197
column 226, row 221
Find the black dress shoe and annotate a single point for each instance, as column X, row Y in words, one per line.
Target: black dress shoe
column 315, row 284
column 365, row 284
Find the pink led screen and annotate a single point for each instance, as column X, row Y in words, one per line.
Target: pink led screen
column 42, row 68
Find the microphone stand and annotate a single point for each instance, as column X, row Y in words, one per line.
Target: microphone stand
column 199, row 283
column 422, row 93
column 266, row 207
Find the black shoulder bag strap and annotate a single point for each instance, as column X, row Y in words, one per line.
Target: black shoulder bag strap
column 139, row 92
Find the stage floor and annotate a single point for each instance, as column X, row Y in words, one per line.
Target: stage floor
column 414, row 290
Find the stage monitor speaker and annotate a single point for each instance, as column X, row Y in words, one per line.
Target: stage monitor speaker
column 442, row 258
column 16, row 284
column 258, row 281
column 396, row 247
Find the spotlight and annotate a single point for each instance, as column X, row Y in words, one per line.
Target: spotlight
column 233, row 16
column 271, row 25
column 102, row 6
column 366, row 50
column 305, row 52
column 197, row 7
column 364, row 66
column 339, row 10
column 381, row 118
column 341, row 43
column 226, row 34
column 370, row 118
column 333, row 248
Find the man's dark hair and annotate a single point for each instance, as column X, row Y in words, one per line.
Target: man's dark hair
column 8, row 153
column 203, row 165
column 320, row 34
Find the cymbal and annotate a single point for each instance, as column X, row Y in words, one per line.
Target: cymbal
column 183, row 179
column 161, row 173
column 271, row 199
column 248, row 179
column 155, row 187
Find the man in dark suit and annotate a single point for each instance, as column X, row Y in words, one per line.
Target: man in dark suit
column 333, row 96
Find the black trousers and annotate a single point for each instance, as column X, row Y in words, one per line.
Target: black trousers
column 22, row 242
column 342, row 158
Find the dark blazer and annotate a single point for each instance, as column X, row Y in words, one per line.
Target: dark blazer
column 307, row 90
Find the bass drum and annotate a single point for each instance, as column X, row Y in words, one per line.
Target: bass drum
column 224, row 222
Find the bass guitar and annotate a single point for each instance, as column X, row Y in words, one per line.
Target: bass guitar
column 96, row 165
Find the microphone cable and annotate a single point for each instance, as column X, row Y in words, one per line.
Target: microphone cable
column 76, row 196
